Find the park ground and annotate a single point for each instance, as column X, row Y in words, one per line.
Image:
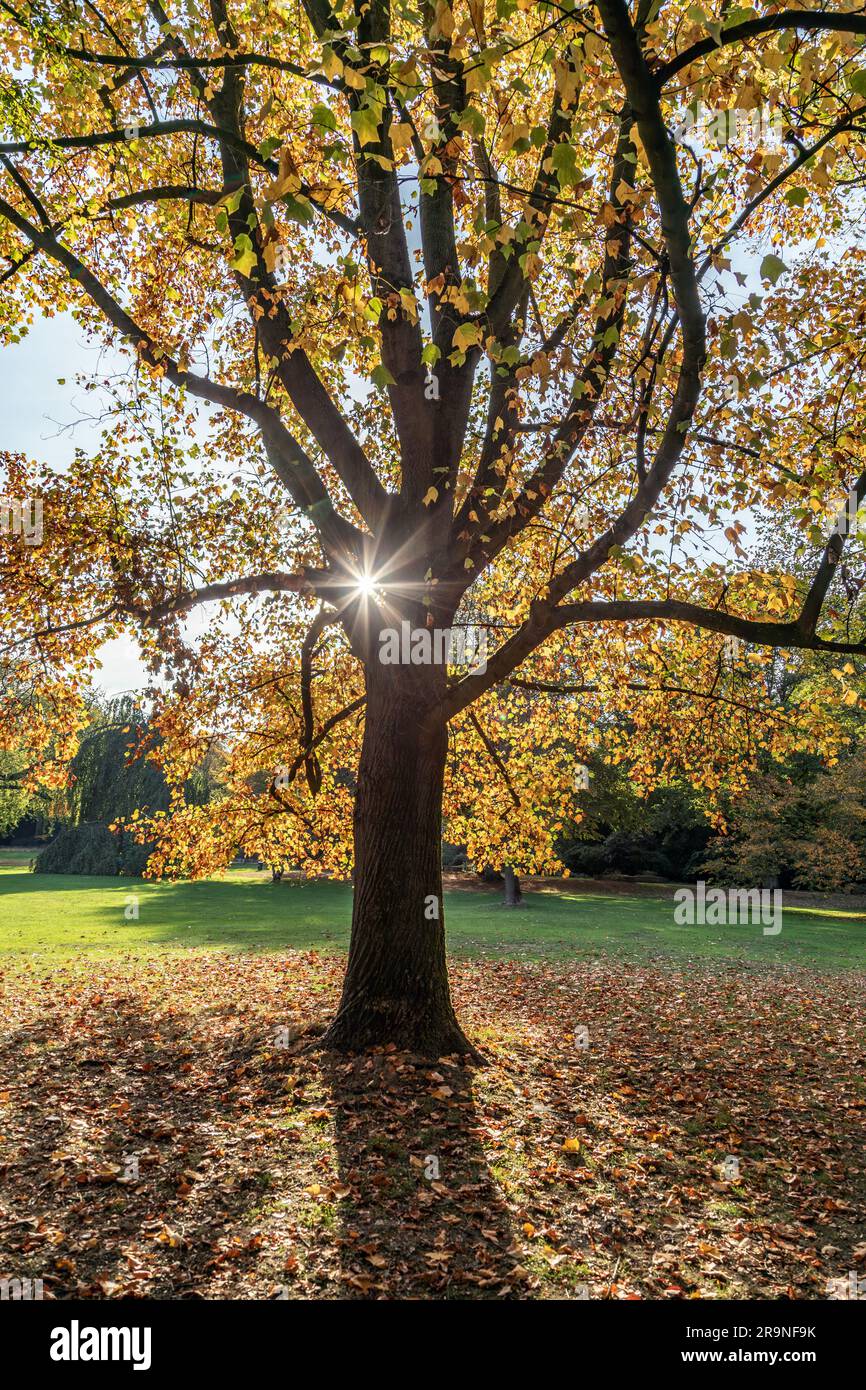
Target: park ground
column 668, row 1112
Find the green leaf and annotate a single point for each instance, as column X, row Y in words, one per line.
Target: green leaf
column 299, row 209
column 365, row 123
column 772, row 267
column 380, row 376
column 472, row 120
column 268, row 146
column 857, row 82
column 245, row 260
column 324, row 117
column 564, row 162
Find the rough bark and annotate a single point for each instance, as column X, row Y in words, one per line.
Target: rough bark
column 396, row 986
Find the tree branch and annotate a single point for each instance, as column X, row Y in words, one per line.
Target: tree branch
column 294, row 467
column 547, row 620
column 182, row 125
column 751, row 28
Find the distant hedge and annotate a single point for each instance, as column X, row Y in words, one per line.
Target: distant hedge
column 93, row 849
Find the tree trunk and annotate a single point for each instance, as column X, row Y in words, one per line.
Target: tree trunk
column 513, row 894
column 396, row 986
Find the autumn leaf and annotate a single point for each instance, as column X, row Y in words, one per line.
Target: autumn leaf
column 772, row 267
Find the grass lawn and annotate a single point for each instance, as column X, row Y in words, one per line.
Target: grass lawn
column 245, row 911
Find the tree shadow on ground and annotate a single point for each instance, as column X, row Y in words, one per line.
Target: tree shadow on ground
column 426, row 1218
column 260, row 1167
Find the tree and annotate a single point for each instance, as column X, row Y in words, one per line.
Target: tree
column 513, row 891
column 32, row 793
column 809, row 836
column 112, row 775
column 15, row 801
column 622, row 830
column 496, row 335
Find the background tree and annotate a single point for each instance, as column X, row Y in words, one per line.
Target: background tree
column 809, row 834
column 112, row 775
column 664, row 831
column 16, row 802
column 484, row 330
column 34, row 764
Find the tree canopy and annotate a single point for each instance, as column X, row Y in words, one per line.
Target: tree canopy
column 505, row 316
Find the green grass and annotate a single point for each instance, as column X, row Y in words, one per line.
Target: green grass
column 64, row 915
column 16, row 858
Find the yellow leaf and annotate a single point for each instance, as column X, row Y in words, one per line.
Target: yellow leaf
column 288, row 179
column 401, row 135
column 466, row 336
column 245, row 263
column 354, row 79
column 331, row 65
column 430, row 496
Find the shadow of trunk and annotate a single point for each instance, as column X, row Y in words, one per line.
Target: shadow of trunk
column 425, row 1218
